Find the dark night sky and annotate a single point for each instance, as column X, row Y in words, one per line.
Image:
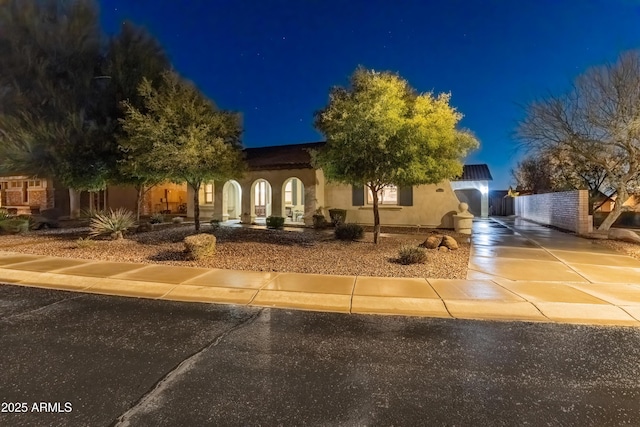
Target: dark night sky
column 275, row 60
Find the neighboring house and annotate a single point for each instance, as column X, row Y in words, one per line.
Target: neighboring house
column 282, row 182
column 26, row 195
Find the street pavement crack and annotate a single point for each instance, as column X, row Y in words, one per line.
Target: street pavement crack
column 146, row 400
column 35, row 310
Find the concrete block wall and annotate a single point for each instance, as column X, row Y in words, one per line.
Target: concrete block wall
column 568, row 210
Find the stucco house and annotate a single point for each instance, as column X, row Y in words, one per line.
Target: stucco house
column 282, row 182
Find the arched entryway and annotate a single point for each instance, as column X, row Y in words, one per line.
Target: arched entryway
column 293, row 200
column 260, row 199
column 231, row 201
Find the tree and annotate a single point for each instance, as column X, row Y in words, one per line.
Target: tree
column 182, row 136
column 132, row 55
column 597, row 122
column 50, row 51
column 556, row 170
column 381, row 132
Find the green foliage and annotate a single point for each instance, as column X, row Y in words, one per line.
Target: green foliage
column 276, row 222
column 349, row 232
column 156, row 218
column 4, row 214
column 215, row 223
column 51, row 121
column 319, row 221
column 85, row 243
column 338, row 216
column 200, row 246
column 114, row 223
column 14, row 225
column 181, row 135
column 381, row 132
column 411, row 255
column 30, row 219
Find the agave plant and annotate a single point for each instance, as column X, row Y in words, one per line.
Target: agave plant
column 113, row 223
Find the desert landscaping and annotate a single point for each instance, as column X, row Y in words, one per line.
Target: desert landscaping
column 258, row 249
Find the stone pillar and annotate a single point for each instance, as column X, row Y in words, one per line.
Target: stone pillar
column 484, row 204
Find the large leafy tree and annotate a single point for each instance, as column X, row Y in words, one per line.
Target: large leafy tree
column 49, row 120
column 381, row 132
column 181, row 135
column 598, row 123
column 133, row 54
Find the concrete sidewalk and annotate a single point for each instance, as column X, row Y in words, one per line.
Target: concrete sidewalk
column 517, row 271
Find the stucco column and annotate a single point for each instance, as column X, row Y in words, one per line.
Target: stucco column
column 246, row 216
column 276, row 198
column 310, row 204
column 484, row 204
column 74, row 203
column 190, row 205
column 218, row 202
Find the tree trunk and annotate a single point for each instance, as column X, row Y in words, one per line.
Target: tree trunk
column 74, row 203
column 376, row 217
column 139, row 194
column 617, row 210
column 196, row 205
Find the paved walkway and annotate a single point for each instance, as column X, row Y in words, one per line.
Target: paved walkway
column 517, row 271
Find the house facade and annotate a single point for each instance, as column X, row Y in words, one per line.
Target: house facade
column 282, row 182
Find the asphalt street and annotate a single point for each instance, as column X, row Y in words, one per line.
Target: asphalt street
column 72, row 359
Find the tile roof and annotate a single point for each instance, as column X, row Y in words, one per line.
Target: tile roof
column 292, row 156
column 475, row 173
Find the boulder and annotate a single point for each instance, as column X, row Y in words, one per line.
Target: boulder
column 443, row 249
column 449, row 243
column 432, row 241
column 624, row 235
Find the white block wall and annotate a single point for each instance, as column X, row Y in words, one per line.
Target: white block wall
column 568, row 210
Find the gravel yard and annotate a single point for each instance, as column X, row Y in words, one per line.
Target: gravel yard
column 631, row 249
column 301, row 251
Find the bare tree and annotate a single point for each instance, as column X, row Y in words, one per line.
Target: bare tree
column 596, row 123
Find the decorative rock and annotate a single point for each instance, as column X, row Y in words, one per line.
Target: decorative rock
column 449, row 243
column 624, row 235
column 432, row 241
column 443, row 249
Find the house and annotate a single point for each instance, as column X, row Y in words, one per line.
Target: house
column 26, row 194
column 281, row 181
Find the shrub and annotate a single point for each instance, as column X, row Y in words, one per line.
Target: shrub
column 338, row 216
column 30, row 220
column 319, row 221
column 114, row 223
column 4, row 214
column 14, row 225
column 411, row 255
column 349, row 232
column 177, row 220
column 156, row 218
column 275, row 222
column 85, row 243
column 215, row 223
column 199, row 246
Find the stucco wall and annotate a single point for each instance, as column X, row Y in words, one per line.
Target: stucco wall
column 431, row 208
column 568, row 210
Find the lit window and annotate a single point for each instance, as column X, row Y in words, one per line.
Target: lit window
column 261, row 193
column 208, row 193
column 387, row 196
column 288, row 193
